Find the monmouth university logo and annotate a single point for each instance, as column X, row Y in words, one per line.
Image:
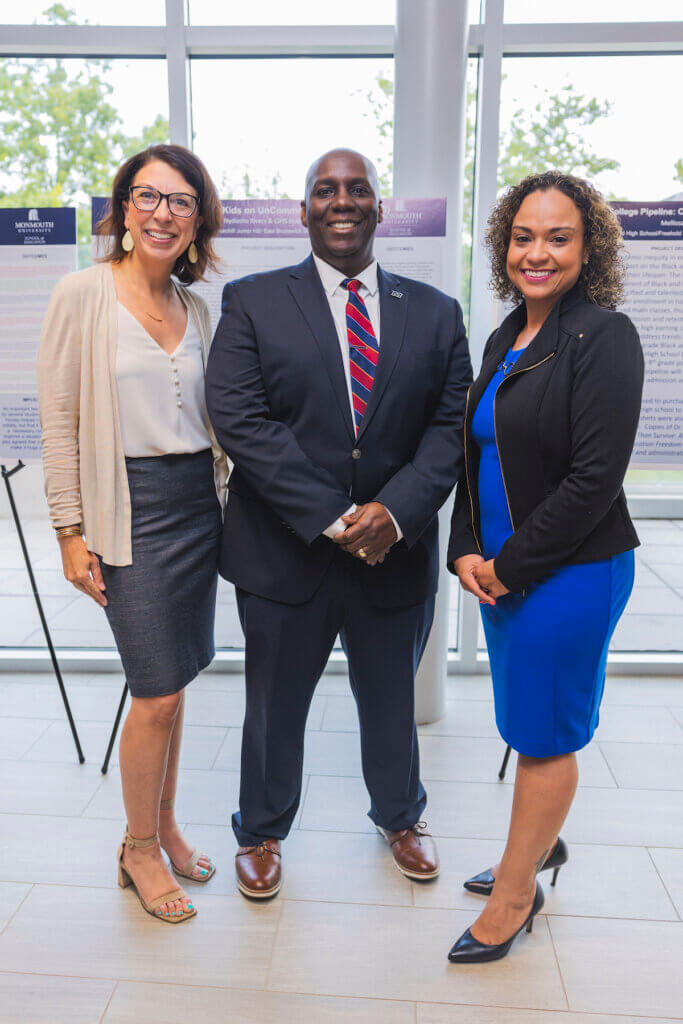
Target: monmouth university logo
column 33, row 215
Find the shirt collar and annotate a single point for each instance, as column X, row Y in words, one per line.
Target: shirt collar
column 332, row 278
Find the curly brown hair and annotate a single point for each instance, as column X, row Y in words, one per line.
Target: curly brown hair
column 210, row 209
column 602, row 276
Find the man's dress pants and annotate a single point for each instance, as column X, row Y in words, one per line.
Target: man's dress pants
column 287, row 648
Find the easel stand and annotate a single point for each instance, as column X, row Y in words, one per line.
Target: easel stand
column 6, row 475
column 504, row 766
column 117, row 721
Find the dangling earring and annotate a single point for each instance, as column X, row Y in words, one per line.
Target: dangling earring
column 192, row 254
column 127, row 242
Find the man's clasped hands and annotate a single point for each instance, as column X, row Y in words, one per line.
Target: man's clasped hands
column 369, row 533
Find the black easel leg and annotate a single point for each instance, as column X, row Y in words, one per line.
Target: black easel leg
column 504, row 766
column 105, row 766
column 6, row 474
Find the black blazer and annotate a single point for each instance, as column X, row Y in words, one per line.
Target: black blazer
column 279, row 404
column 565, row 420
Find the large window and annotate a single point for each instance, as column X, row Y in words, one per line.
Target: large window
column 257, row 106
column 69, row 123
column 300, row 12
column 592, row 10
column 594, row 116
column 83, row 12
column 264, row 146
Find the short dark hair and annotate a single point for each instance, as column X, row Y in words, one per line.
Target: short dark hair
column 602, row 276
column 210, row 210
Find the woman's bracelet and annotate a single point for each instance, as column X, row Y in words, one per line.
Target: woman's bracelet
column 69, row 531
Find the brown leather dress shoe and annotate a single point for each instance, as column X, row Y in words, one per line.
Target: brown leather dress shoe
column 414, row 851
column 259, row 869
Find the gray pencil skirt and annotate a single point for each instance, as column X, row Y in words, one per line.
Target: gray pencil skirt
column 161, row 609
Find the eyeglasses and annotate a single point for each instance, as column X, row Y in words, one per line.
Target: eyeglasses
column 180, row 204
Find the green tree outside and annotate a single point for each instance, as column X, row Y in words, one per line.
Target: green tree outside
column 547, row 135
column 61, row 140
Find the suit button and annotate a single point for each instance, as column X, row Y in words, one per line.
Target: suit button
column 356, row 453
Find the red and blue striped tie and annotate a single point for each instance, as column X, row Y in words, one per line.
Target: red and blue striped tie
column 363, row 350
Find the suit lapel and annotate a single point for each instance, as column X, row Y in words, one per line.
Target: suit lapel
column 541, row 346
column 309, row 295
column 503, row 338
column 393, row 310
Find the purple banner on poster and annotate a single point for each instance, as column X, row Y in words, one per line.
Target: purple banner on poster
column 413, row 218
column 281, row 218
column 99, row 206
column 650, row 222
column 30, row 225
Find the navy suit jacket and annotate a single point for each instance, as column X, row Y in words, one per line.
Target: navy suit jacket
column 279, row 404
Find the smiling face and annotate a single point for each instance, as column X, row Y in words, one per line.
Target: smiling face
column 546, row 250
column 342, row 210
column 160, row 235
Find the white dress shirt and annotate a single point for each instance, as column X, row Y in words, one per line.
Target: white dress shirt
column 337, row 297
column 161, row 397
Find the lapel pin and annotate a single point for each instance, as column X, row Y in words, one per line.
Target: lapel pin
column 397, row 295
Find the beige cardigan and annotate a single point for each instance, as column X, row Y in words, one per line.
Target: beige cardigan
column 83, row 460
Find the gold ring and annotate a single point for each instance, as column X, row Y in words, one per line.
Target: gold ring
column 362, row 553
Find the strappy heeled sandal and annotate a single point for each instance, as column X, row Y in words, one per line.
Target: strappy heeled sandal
column 125, row 879
column 193, row 859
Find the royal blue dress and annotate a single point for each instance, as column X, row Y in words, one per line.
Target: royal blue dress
column 547, row 649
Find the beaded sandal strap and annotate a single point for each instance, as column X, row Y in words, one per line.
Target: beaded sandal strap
column 167, row 805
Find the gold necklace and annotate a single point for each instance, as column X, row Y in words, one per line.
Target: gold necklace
column 157, row 319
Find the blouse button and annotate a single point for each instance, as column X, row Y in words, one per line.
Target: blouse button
column 179, row 404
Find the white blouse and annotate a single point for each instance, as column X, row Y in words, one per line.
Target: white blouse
column 161, row 397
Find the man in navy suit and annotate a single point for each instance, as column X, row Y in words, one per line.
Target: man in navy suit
column 338, row 390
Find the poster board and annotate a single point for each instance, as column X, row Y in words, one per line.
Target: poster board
column 653, row 234
column 99, row 206
column 263, row 234
column 37, row 248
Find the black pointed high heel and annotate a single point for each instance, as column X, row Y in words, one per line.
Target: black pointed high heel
column 468, row 950
column 483, row 884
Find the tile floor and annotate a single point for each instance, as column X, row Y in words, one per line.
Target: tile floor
column 349, row 939
column 653, row 620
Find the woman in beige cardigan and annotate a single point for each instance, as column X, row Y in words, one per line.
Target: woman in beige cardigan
column 135, row 480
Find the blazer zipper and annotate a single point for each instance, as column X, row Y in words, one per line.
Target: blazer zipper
column 517, row 373
column 467, row 477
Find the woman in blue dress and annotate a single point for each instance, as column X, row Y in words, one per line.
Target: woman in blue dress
column 541, row 533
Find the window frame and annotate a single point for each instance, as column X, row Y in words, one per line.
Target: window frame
column 493, row 39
